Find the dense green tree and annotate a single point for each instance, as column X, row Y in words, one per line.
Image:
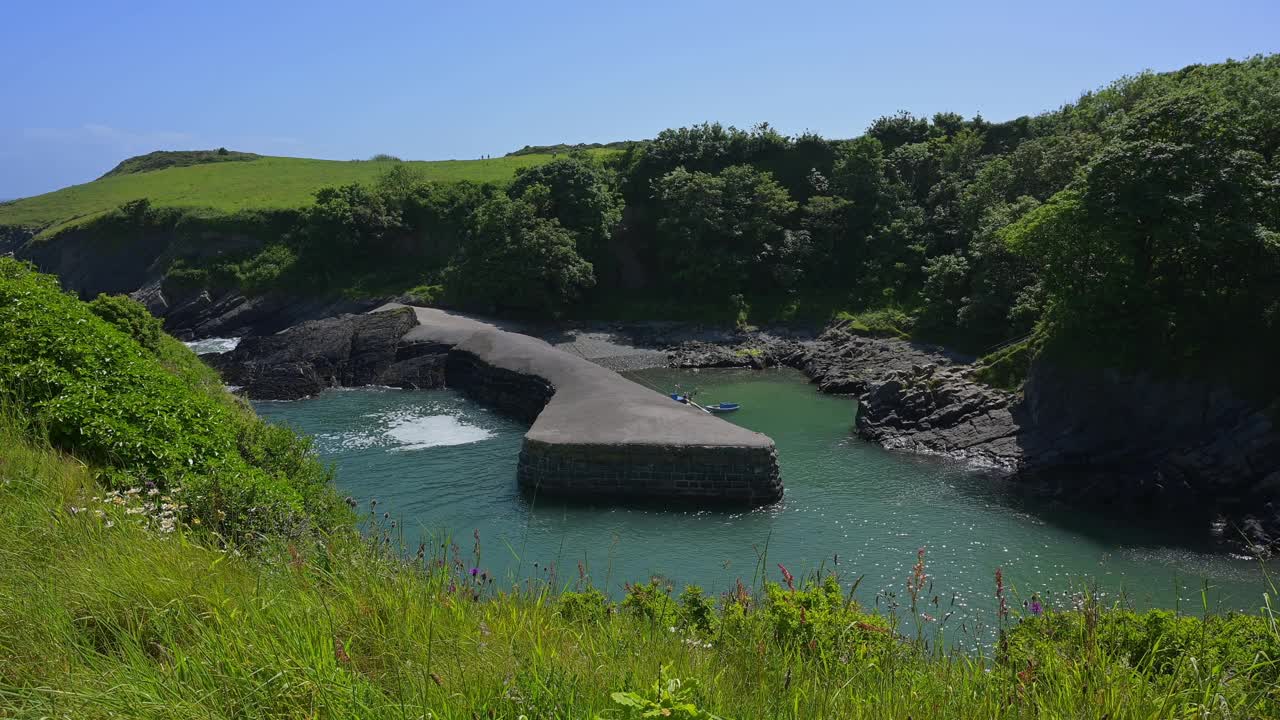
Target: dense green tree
column 1168, row 241
column 516, row 260
column 900, row 129
column 946, row 282
column 348, row 222
column 581, row 197
column 724, row 229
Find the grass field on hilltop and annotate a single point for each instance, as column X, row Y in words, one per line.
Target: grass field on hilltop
column 268, row 183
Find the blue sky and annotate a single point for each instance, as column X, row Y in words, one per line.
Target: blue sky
column 85, row 84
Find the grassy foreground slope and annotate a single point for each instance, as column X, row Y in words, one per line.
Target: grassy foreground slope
column 119, row 599
column 264, row 184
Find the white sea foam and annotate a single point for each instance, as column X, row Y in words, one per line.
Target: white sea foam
column 418, row 432
column 213, row 345
column 349, row 441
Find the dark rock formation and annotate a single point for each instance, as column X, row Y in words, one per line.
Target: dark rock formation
column 232, row 314
column 1171, row 446
column 937, row 410
column 134, row 262
column 346, row 351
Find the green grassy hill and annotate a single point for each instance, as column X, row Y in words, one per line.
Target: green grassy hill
column 265, row 183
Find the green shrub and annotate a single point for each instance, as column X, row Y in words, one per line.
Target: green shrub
column 588, row 606
column 265, row 269
column 1007, row 367
column 181, row 279
column 652, row 600
column 424, row 294
column 1157, row 641
column 886, row 322
column 130, row 317
column 817, row 614
column 697, row 611
column 94, row 390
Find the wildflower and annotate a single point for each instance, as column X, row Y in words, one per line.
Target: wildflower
column 788, row 577
column 1036, row 608
column 475, row 571
column 1003, row 611
column 915, row 582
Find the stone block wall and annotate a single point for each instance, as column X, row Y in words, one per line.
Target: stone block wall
column 701, row 475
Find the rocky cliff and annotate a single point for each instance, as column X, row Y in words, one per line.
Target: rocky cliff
column 134, row 262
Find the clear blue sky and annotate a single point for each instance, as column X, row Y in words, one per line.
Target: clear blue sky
column 85, row 84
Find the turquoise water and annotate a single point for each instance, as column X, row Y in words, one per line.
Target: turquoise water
column 441, row 464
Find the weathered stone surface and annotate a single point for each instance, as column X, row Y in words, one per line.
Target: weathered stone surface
column 698, row 474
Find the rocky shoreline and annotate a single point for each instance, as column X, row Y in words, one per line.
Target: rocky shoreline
column 1195, row 455
column 912, row 396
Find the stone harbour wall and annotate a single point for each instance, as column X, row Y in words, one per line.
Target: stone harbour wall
column 699, row 475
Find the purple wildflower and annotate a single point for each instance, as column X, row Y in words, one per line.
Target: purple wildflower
column 475, row 571
column 1036, row 608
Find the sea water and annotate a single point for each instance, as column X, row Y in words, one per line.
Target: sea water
column 443, row 465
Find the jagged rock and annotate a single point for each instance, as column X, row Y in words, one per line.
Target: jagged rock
column 345, row 351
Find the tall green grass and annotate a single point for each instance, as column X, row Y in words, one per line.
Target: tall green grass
column 122, row 621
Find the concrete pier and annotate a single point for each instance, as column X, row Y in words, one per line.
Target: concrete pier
column 595, row 433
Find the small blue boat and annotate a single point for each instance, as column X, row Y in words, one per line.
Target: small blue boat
column 680, row 398
column 723, row 407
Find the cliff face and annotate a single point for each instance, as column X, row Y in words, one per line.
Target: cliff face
column 88, row 262
column 1133, row 440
